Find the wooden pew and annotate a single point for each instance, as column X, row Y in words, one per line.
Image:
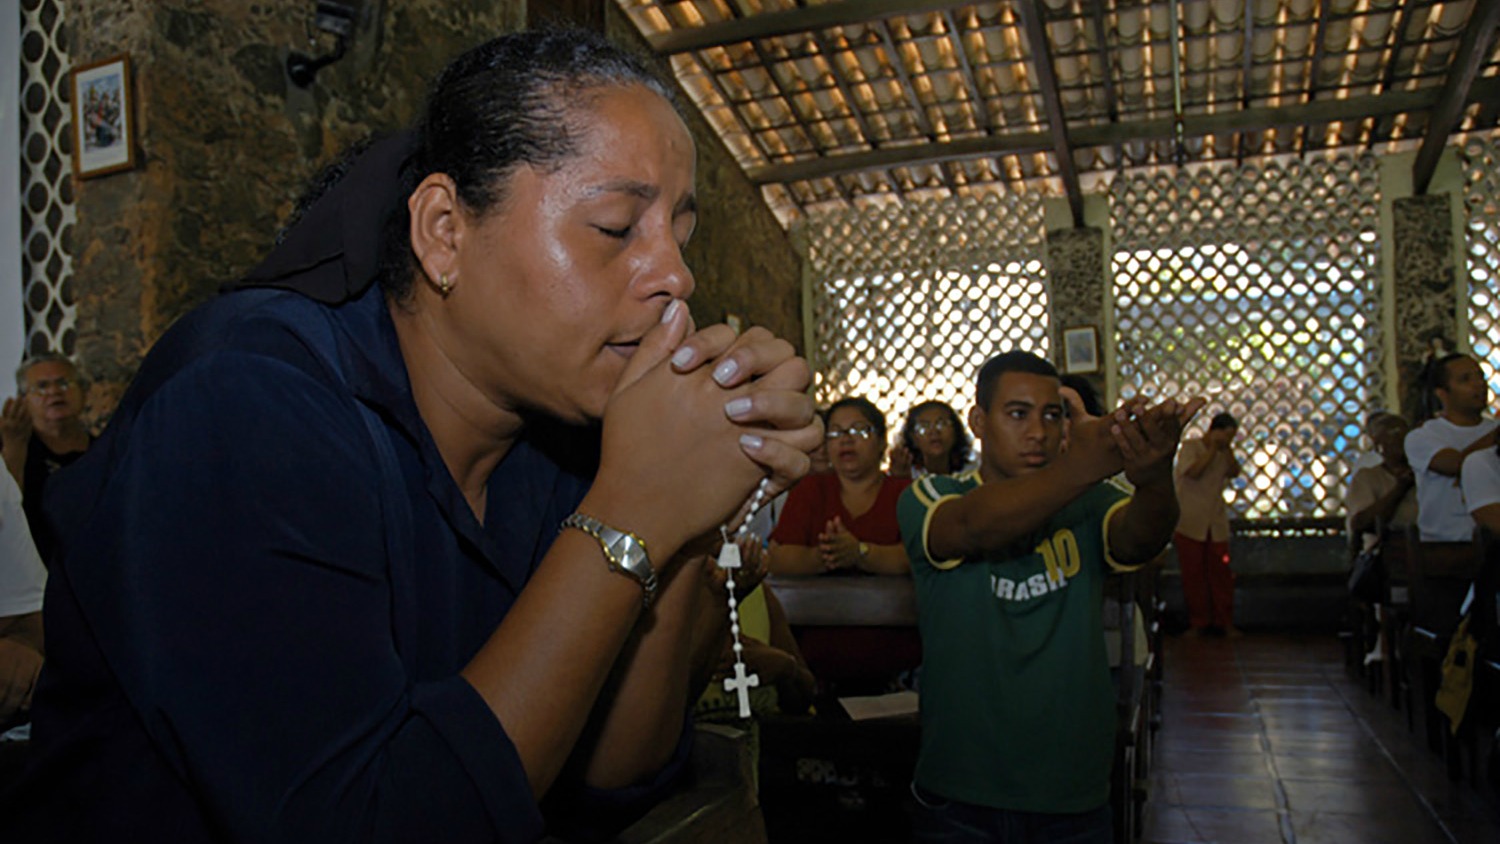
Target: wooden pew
column 844, row 779
column 855, row 632
column 716, row 803
column 1369, row 629
column 1439, row 575
column 1130, row 599
column 1483, row 716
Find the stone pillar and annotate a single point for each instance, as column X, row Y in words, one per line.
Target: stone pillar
column 1075, row 276
column 1425, row 302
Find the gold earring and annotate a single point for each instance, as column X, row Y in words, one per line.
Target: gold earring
column 445, row 285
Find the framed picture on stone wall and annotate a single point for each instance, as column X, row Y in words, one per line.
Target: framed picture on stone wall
column 103, row 118
column 1081, row 349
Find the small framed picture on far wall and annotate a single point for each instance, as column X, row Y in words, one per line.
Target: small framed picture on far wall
column 103, row 118
column 1081, row 349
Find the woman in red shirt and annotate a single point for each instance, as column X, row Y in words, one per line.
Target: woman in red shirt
column 844, row 521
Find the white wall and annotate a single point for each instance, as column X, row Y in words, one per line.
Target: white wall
column 12, row 320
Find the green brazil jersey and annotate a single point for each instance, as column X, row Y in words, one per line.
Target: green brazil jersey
column 1017, row 706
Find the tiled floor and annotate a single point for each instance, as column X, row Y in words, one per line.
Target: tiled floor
column 1266, row 740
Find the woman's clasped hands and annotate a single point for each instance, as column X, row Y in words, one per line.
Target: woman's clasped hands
column 698, row 418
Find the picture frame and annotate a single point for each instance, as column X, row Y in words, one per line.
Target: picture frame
column 1081, row 349
column 103, row 117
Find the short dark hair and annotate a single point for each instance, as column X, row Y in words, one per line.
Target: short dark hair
column 1222, row 420
column 1438, row 374
column 1435, row 377
column 866, row 408
column 509, row 102
column 962, row 442
column 989, row 374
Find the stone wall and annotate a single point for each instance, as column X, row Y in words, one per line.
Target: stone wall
column 226, row 144
column 1075, row 278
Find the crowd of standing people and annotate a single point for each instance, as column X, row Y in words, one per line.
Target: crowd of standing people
column 460, row 444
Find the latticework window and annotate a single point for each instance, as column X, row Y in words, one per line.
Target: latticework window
column 47, row 212
column 908, row 301
column 1482, row 206
column 1258, row 287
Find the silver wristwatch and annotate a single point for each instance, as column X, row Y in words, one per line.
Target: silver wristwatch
column 624, row 551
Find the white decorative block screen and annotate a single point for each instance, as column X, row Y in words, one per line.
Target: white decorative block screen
column 1259, row 287
column 47, row 213
column 1481, row 161
column 909, row 300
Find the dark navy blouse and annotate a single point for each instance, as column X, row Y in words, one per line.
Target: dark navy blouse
column 247, row 637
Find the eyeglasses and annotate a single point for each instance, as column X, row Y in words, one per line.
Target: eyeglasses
column 62, row 385
column 921, row 429
column 862, row 432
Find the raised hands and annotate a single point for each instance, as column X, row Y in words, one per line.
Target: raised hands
column 697, row 419
column 1148, row 436
column 1137, row 437
column 838, row 547
column 900, row 461
column 15, row 422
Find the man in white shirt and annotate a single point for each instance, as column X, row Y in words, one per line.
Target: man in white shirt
column 1437, row 449
column 1481, row 483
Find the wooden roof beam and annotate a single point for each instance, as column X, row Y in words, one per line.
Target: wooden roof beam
column 1314, row 68
column 792, row 21
column 1473, row 51
column 1247, row 56
column 1483, row 90
column 1379, row 132
column 855, row 112
column 1046, row 80
column 919, row 112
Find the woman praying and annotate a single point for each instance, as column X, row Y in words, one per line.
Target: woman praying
column 844, row 521
column 390, row 546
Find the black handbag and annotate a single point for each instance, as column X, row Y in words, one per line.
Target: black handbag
column 1367, row 577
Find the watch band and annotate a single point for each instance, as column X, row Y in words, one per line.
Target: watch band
column 624, row 551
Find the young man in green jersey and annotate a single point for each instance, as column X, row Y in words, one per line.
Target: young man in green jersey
column 1009, row 562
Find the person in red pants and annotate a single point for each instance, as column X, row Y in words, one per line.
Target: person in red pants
column 1204, row 465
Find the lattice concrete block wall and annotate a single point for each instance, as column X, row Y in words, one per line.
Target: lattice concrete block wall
column 1424, row 286
column 1260, row 287
column 1481, row 162
column 909, row 300
column 47, row 210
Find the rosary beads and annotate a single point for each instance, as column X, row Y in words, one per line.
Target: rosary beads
column 729, row 560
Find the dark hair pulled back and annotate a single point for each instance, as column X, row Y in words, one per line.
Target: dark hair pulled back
column 958, row 457
column 509, row 102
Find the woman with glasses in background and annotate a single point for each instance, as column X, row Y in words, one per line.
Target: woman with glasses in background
column 844, row 521
column 933, row 442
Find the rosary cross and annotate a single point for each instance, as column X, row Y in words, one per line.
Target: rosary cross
column 729, row 560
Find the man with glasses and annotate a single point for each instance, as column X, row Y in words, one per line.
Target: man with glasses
column 41, row 431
